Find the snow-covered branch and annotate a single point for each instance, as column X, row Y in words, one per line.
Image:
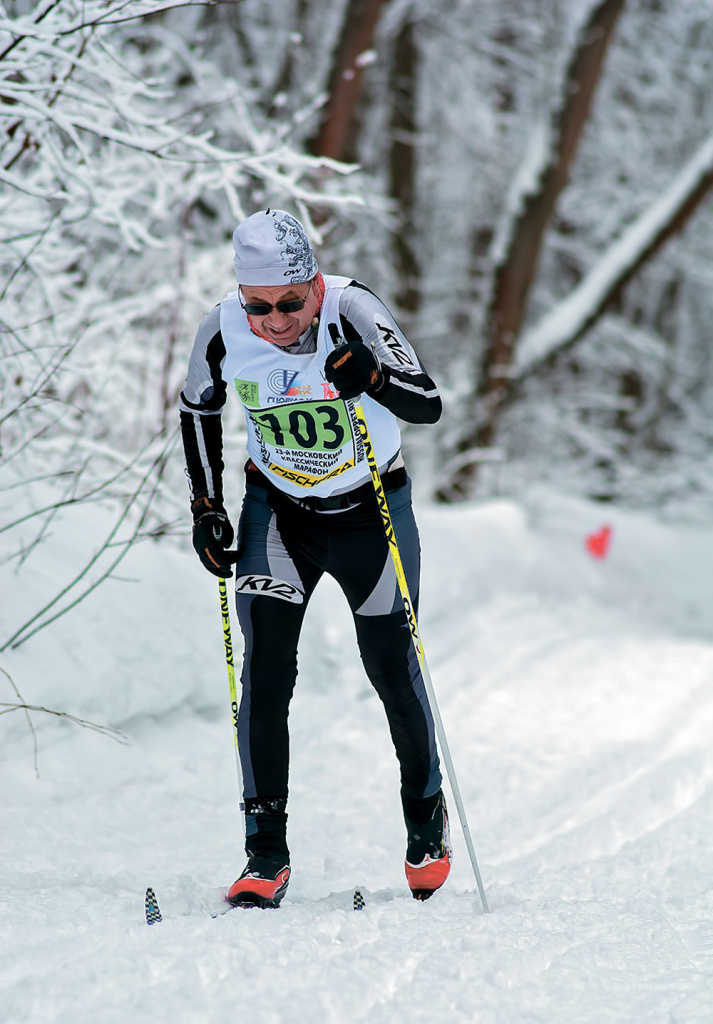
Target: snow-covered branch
column 98, row 159
column 569, row 320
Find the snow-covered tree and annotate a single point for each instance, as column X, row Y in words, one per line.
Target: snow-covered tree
column 632, row 212
column 136, row 133
column 127, row 154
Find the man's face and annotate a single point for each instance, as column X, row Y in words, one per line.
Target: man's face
column 282, row 328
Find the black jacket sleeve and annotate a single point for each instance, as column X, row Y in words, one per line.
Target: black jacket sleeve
column 200, row 407
column 406, row 390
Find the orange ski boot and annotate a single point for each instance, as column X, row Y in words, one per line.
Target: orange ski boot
column 263, row 883
column 428, row 853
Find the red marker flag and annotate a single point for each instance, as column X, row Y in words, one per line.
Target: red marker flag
column 597, row 544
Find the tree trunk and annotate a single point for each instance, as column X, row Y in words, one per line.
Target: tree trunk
column 402, row 168
column 516, row 270
column 335, row 136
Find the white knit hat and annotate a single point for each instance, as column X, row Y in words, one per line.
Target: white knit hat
column 272, row 248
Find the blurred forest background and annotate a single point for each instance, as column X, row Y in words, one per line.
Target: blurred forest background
column 526, row 183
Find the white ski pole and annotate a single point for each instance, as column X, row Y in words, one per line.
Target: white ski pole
column 360, row 419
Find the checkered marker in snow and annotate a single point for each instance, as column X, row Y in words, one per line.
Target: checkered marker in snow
column 153, row 914
column 359, row 902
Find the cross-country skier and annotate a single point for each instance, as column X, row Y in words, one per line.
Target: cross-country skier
column 310, row 508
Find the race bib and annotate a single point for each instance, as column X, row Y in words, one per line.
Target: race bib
column 305, row 442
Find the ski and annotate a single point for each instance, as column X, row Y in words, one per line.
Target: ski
column 218, row 905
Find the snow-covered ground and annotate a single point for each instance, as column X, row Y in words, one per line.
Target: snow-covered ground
column 578, row 700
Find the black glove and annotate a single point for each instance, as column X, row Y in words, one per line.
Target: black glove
column 212, row 534
column 353, row 369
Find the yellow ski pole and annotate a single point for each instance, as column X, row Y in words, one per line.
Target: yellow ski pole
column 225, row 614
column 360, row 419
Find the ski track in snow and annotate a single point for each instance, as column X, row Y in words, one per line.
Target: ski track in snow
column 576, row 695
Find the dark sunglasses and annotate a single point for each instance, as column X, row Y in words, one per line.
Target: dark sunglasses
column 263, row 308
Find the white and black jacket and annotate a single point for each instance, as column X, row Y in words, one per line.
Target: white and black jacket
column 406, row 391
